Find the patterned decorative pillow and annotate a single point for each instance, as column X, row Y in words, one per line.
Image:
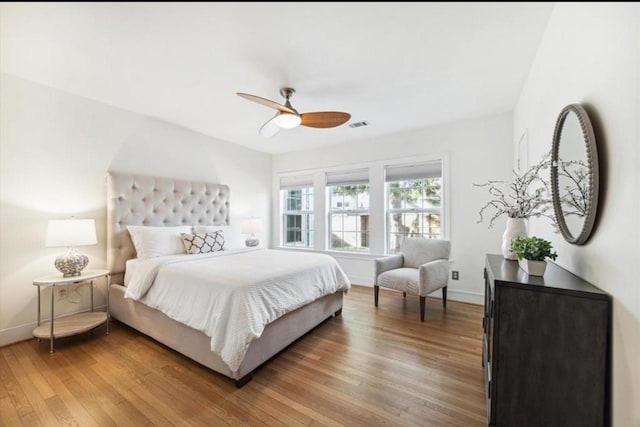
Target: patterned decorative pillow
column 203, row 243
column 232, row 237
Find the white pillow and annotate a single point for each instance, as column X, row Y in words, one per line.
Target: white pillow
column 232, row 237
column 152, row 242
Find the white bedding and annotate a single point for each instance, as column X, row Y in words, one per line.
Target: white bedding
column 232, row 295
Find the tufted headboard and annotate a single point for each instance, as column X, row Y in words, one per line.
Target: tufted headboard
column 146, row 200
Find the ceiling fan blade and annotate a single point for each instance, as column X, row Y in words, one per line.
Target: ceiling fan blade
column 324, row 119
column 270, row 128
column 266, row 102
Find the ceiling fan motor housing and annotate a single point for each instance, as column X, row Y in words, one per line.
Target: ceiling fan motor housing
column 287, row 92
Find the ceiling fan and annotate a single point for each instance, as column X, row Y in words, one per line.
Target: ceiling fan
column 288, row 117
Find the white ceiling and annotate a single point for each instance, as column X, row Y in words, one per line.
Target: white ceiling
column 399, row 66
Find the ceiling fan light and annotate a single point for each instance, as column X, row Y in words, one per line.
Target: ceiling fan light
column 287, row 120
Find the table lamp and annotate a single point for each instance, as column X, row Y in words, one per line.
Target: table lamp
column 71, row 233
column 251, row 226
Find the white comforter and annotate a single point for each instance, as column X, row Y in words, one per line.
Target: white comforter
column 232, row 295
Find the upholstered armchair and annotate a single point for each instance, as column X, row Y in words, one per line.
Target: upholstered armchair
column 421, row 267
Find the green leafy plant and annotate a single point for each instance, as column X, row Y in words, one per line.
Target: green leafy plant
column 532, row 248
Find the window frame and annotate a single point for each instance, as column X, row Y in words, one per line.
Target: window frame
column 423, row 210
column 356, row 212
column 284, row 212
column 378, row 217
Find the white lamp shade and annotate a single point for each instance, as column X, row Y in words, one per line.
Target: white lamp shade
column 71, row 232
column 251, row 225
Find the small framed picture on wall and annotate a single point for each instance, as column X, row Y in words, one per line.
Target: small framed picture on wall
column 522, row 161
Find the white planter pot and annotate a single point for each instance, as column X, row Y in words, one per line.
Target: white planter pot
column 533, row 268
column 516, row 227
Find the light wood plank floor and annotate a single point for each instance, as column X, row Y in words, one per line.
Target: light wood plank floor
column 368, row 367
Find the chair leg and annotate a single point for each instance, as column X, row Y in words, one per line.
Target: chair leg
column 404, row 294
column 376, row 290
column 444, row 297
column 422, row 304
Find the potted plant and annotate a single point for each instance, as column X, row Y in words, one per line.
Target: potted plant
column 532, row 253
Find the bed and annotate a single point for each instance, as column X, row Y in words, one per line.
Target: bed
column 135, row 200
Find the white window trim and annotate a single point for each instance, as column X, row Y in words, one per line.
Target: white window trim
column 378, row 197
column 303, row 231
column 342, row 212
column 415, row 210
column 389, row 212
column 285, row 212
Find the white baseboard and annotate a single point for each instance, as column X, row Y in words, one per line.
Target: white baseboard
column 360, row 280
column 24, row 332
column 17, row 333
column 465, row 296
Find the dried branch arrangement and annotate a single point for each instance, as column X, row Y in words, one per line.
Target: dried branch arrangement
column 527, row 195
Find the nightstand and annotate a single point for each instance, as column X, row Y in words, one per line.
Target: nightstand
column 72, row 324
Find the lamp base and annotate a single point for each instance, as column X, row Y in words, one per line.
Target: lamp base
column 252, row 241
column 71, row 263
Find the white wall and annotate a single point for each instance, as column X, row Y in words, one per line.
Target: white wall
column 477, row 150
column 55, row 149
column 590, row 55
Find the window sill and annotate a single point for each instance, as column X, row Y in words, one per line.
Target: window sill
column 296, row 248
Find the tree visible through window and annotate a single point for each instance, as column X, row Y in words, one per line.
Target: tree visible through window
column 414, row 210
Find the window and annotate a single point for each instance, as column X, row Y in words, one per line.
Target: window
column 297, row 211
column 349, row 210
column 414, row 202
column 340, row 209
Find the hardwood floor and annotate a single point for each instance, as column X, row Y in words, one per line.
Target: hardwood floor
column 368, row 367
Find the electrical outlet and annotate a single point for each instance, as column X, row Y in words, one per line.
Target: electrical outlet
column 62, row 294
column 454, row 275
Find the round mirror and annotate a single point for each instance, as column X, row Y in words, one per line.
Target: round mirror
column 574, row 174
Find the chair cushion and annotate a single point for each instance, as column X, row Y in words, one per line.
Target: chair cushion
column 402, row 279
column 417, row 251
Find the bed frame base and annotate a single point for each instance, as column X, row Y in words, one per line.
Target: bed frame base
column 197, row 346
column 244, row 380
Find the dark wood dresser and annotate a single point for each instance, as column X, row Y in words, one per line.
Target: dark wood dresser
column 545, row 348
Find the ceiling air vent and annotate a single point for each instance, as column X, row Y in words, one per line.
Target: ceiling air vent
column 359, row 124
